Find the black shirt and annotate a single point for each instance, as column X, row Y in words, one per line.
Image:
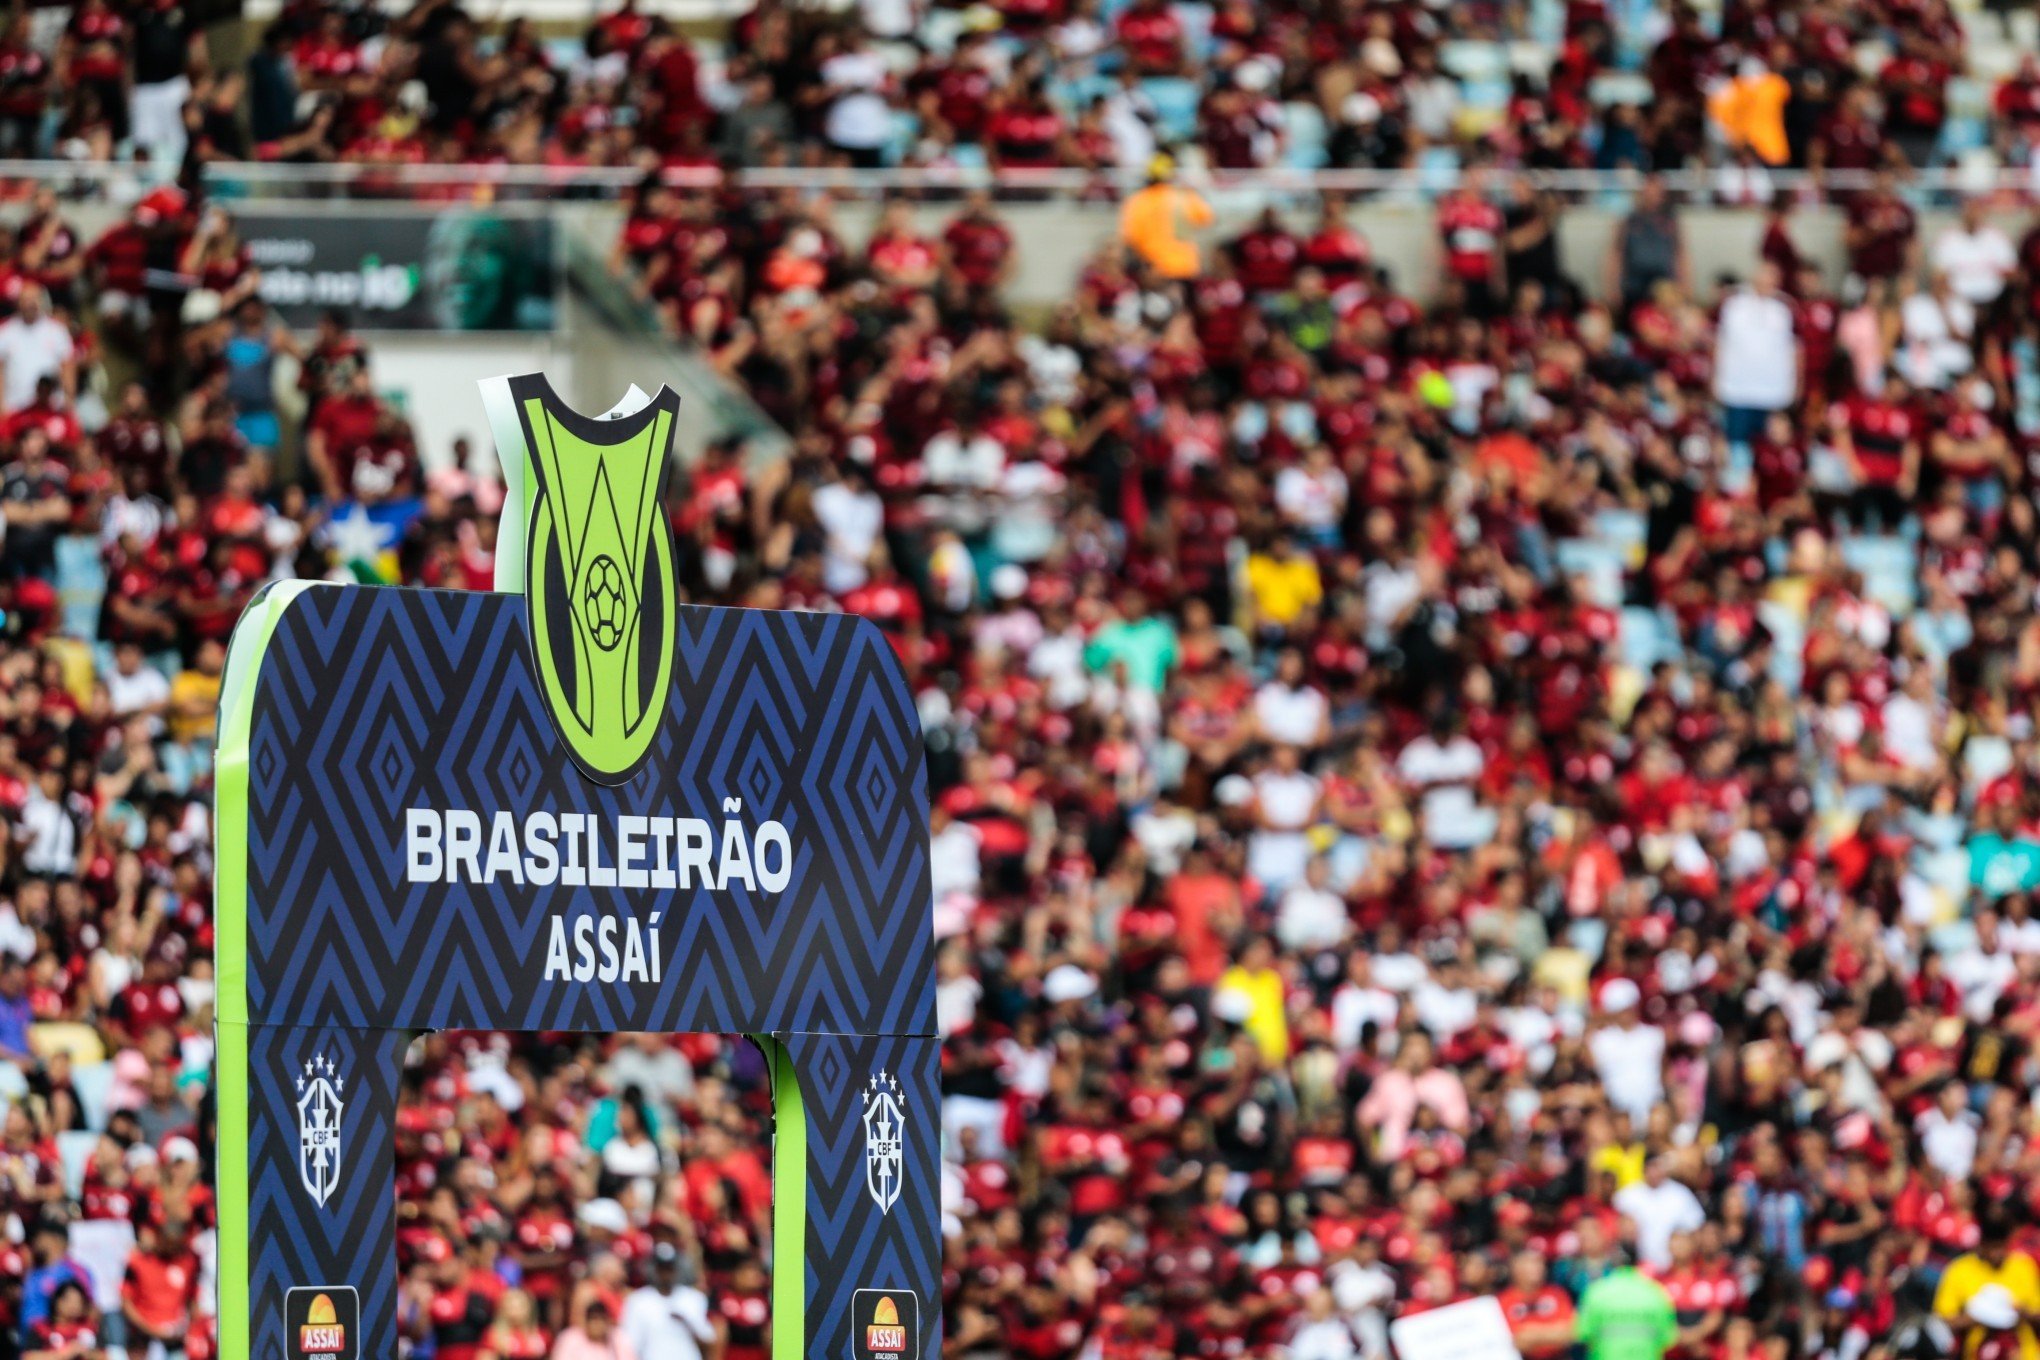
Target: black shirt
column 162, row 44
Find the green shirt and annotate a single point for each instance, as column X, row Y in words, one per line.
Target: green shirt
column 1148, row 648
column 2000, row 866
column 1627, row 1316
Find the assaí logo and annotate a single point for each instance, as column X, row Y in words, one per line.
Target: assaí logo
column 598, row 573
column 885, row 1324
column 322, row 1322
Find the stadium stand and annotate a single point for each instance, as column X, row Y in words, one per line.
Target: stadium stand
column 1444, row 784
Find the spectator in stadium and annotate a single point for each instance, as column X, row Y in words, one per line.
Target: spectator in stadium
column 1756, row 356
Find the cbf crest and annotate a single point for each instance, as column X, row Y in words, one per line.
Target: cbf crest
column 598, row 572
column 885, row 1134
column 320, row 1105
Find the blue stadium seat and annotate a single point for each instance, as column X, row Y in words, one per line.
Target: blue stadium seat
column 1305, row 124
column 1469, row 60
column 1076, row 94
column 1599, row 566
column 906, row 130
column 1491, row 96
column 74, row 1150
column 94, row 1084
column 1197, row 19
column 81, row 585
column 1175, row 100
column 1646, row 638
column 1889, row 568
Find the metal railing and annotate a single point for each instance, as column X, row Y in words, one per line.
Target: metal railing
column 1730, row 184
column 513, row 183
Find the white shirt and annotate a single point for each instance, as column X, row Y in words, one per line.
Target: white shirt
column 1756, row 353
column 953, row 865
column 1313, row 500
column 1976, row 263
column 1287, row 800
column 132, row 693
column 671, row 1326
column 1862, row 1056
column 1949, row 1144
column 31, row 351
column 1909, row 732
column 1934, row 346
column 1325, row 1339
column 851, row 522
column 1444, row 1011
column 1630, row 1060
column 1446, row 772
column 948, row 461
column 1657, row 1214
column 1290, row 715
column 1311, row 918
column 860, row 117
column 52, row 836
column 1390, row 590
column 1982, row 978
column 1353, row 1006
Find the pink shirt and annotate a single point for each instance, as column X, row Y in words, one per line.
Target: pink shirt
column 575, row 1345
column 1392, row 1103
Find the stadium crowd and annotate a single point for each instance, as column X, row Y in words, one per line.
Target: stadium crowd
column 1443, row 787
column 1037, row 84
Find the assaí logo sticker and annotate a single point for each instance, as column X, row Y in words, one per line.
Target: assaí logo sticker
column 598, row 573
column 885, row 1324
column 323, row 1323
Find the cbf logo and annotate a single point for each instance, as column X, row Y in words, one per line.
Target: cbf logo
column 885, row 1132
column 319, row 1107
column 598, row 572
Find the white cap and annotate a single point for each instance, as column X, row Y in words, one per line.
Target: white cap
column 1620, row 995
column 1067, row 982
column 605, row 1214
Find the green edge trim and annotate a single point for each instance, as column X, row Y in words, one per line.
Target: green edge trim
column 789, row 1204
column 230, row 952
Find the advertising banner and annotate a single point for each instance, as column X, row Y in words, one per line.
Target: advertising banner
column 461, row 269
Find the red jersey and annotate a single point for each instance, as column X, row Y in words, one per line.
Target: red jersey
column 1472, row 229
column 1880, row 430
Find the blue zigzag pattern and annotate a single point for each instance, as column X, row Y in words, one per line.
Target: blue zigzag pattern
column 370, row 701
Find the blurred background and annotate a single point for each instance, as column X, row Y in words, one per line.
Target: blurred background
column 1469, row 572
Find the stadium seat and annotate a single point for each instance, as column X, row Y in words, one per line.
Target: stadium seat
column 1175, row 102
column 1646, row 639
column 1530, row 59
column 1788, row 634
column 906, row 130
column 81, row 584
column 1889, row 567
column 1963, row 133
column 1982, row 26
column 74, row 1150
column 1619, row 87
column 1474, row 60
column 940, row 29
column 1196, row 18
column 1304, row 125
column 1597, row 565
column 94, row 1085
column 1075, row 95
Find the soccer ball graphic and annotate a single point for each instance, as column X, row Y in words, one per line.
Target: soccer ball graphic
column 602, row 602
